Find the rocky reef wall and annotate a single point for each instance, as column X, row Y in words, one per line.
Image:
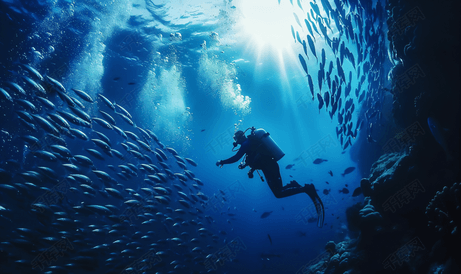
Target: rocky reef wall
column 409, row 220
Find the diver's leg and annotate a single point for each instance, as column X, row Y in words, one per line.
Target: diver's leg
column 289, row 191
column 272, row 173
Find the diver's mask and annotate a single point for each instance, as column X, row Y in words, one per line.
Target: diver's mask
column 239, row 137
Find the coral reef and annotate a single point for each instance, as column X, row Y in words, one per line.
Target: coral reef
column 342, row 259
column 444, row 210
column 444, row 214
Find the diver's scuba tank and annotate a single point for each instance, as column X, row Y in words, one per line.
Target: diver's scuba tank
column 268, row 142
column 271, row 147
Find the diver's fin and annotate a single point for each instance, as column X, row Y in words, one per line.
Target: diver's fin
column 320, row 211
column 310, row 190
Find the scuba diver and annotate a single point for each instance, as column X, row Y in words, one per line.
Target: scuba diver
column 262, row 153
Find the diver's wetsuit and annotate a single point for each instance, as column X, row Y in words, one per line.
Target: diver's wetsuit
column 271, row 171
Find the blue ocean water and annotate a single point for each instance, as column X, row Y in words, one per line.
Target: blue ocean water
column 193, row 73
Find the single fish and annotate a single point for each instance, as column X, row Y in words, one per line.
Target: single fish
column 348, row 170
column 312, row 220
column 312, row 46
column 362, row 96
column 45, row 155
column 297, row 20
column 266, row 214
column 102, row 123
column 121, row 109
column 100, row 143
column 106, row 101
column 37, row 87
column 340, row 119
column 45, row 124
column 80, row 113
column 46, row 103
column 300, row 6
column 70, row 117
column 308, row 25
column 32, row 71
column 326, row 98
column 320, row 78
column 85, row 96
column 305, row 48
column 66, row 98
column 15, row 88
column 189, row 160
column 319, row 97
column 5, row 96
column 311, row 85
column 319, row 161
column 131, row 135
column 25, row 104
column 54, row 84
column 303, row 63
column 126, row 118
column 83, row 160
column 95, row 154
column 330, row 68
column 81, row 135
column 344, row 191
column 63, row 151
column 298, row 38
column 323, row 57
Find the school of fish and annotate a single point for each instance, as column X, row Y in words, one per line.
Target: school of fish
column 65, row 209
column 353, row 22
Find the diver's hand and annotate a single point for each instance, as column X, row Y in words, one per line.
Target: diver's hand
column 218, row 163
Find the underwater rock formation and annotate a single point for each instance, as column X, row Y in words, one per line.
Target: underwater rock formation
column 423, row 42
column 369, row 216
column 341, row 259
column 391, row 219
column 399, row 193
column 423, row 45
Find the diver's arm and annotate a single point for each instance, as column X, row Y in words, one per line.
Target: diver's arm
column 243, row 149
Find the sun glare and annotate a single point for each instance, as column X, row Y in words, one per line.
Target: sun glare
column 267, row 24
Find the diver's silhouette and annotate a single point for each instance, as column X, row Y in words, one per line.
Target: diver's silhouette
column 262, row 153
